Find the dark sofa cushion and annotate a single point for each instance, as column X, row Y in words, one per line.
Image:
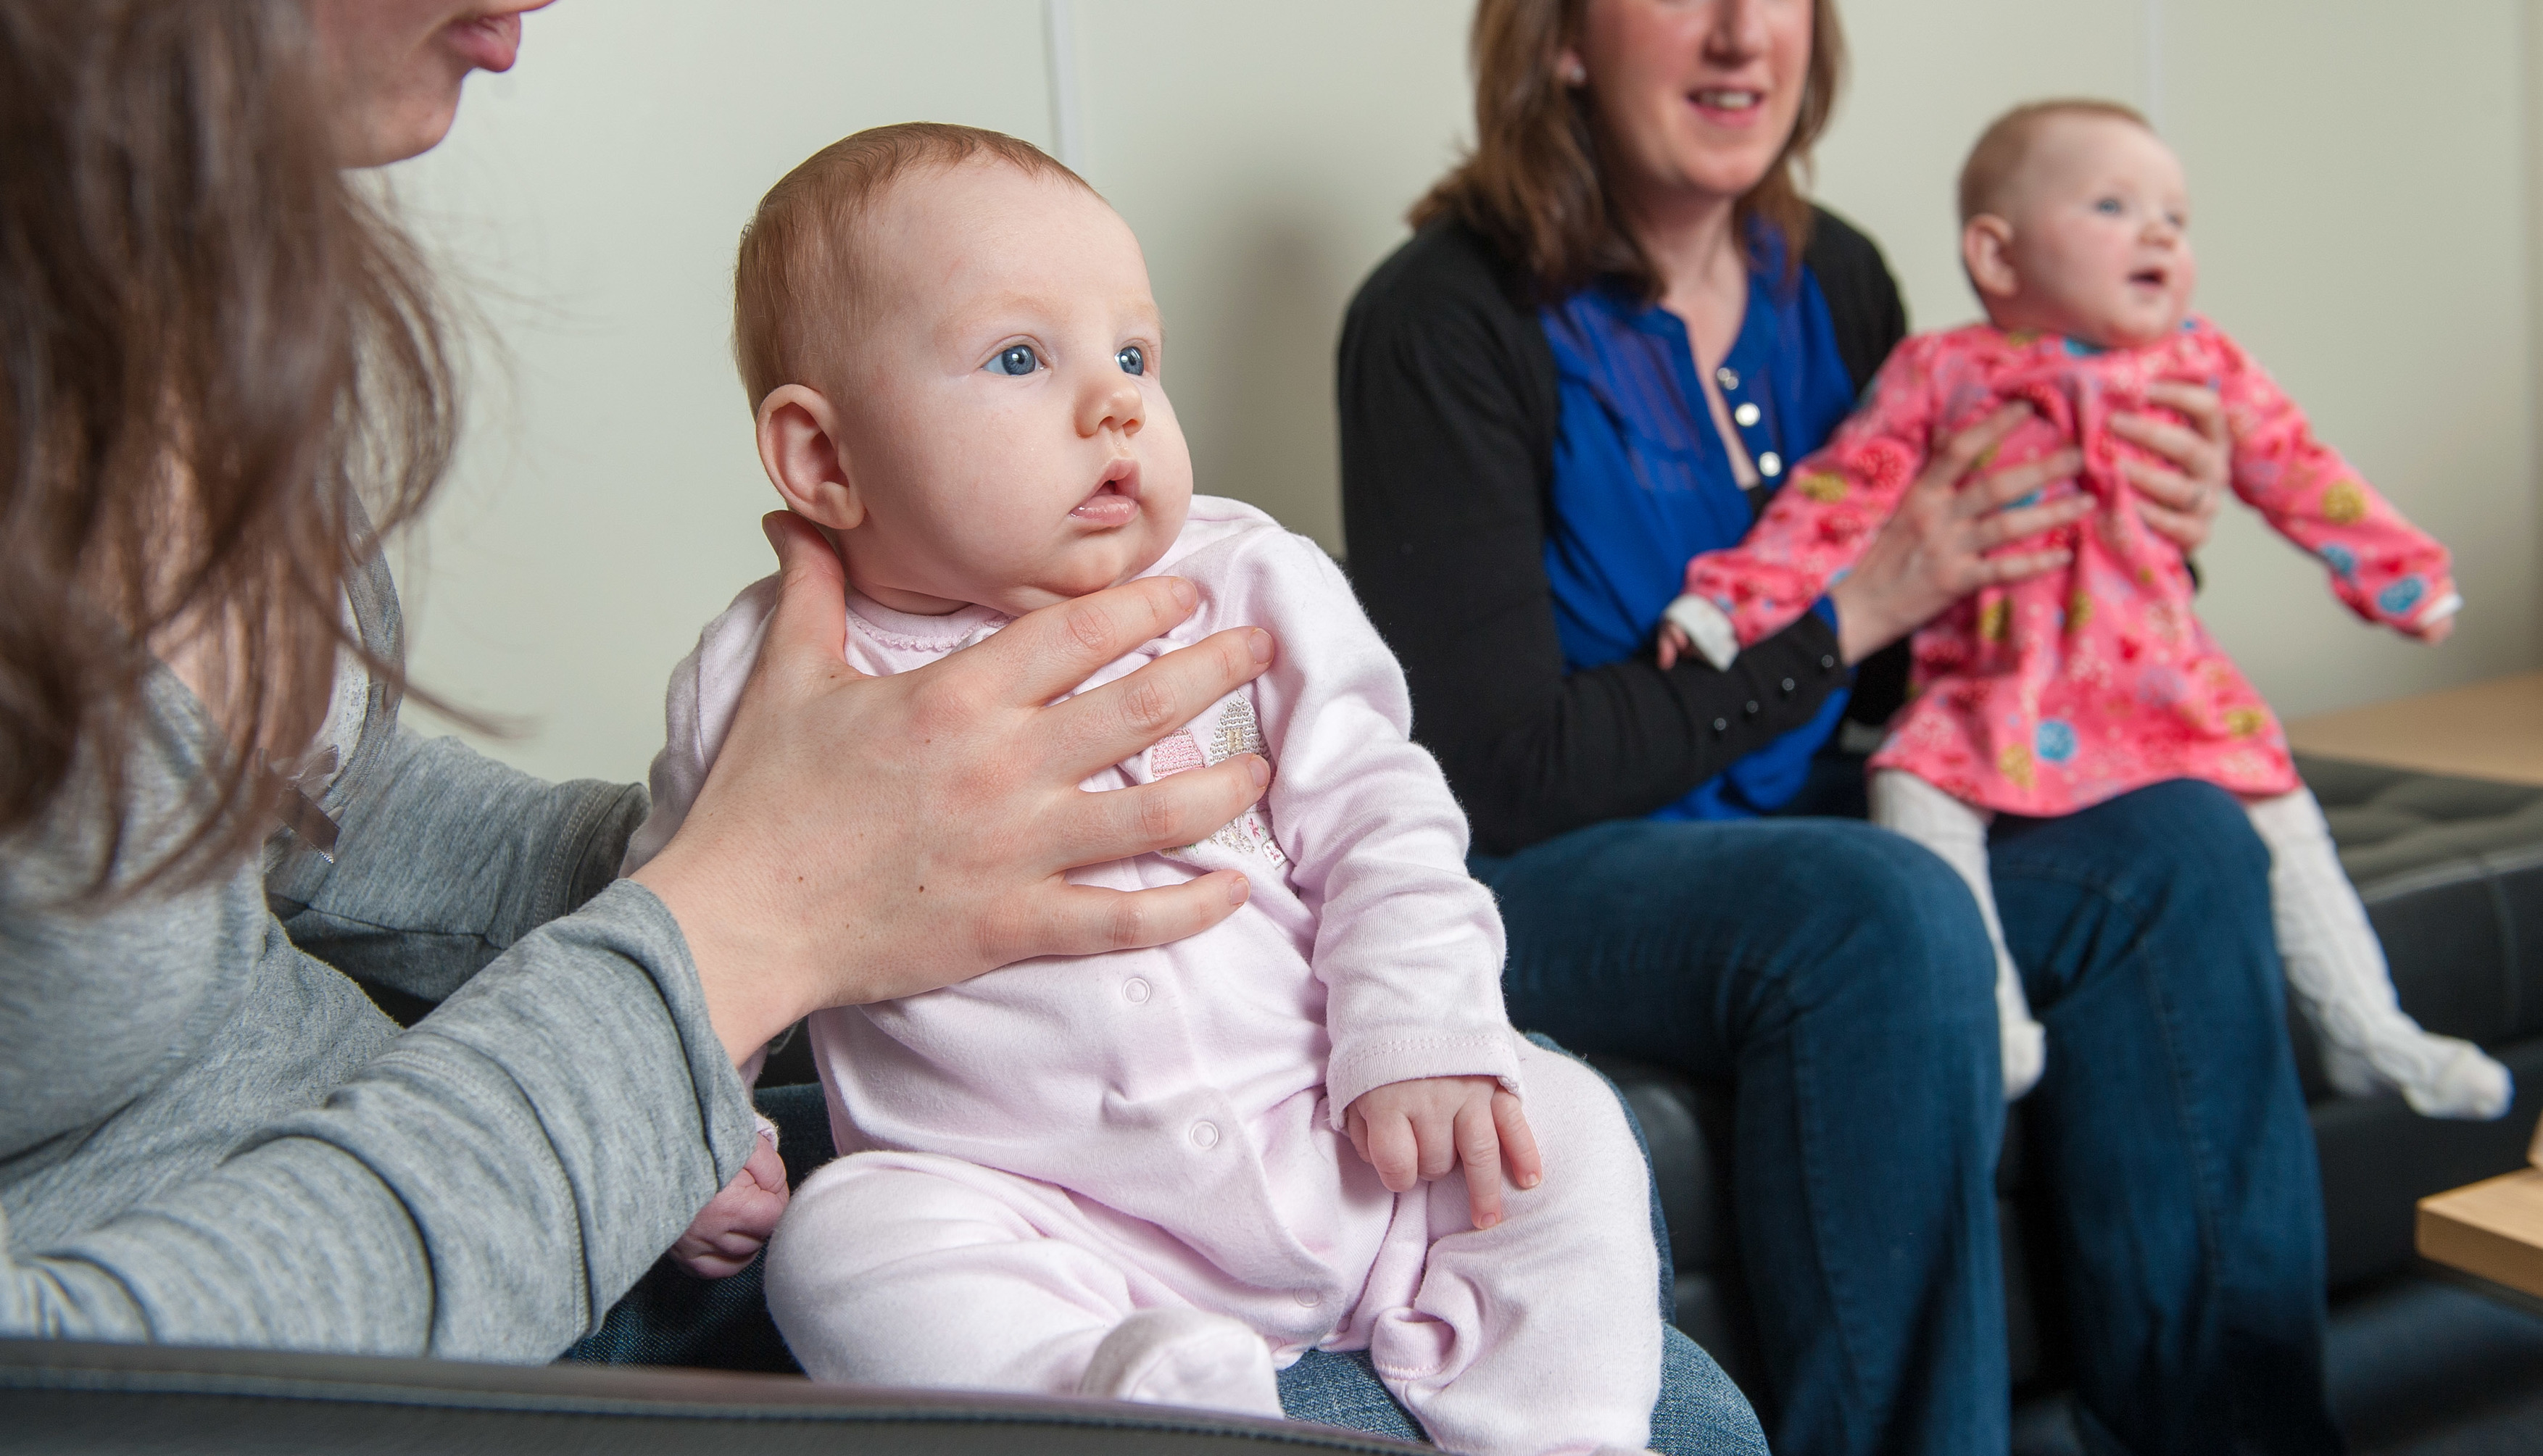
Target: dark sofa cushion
column 2451, row 871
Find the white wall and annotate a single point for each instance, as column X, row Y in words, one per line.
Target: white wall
column 607, row 500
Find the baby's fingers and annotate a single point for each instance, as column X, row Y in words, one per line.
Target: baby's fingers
column 1479, row 1147
column 1672, row 643
column 1391, row 1149
column 1518, row 1141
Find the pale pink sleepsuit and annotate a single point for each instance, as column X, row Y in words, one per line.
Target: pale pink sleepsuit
column 1058, row 1145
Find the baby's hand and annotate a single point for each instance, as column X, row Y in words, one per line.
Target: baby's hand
column 1673, row 644
column 1421, row 1129
column 2437, row 621
column 730, row 1229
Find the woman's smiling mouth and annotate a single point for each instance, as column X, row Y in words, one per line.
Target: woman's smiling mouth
column 1727, row 105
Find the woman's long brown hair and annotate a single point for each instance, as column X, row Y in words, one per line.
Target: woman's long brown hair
column 1532, row 183
column 221, row 379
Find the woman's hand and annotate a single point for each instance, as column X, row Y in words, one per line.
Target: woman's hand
column 860, row 838
column 1932, row 551
column 2179, row 503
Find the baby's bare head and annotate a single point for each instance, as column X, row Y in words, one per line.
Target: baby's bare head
column 1994, row 169
column 802, row 284
column 2074, row 220
column 955, row 362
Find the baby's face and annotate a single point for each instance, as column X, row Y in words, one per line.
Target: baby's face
column 2099, row 216
column 1003, row 418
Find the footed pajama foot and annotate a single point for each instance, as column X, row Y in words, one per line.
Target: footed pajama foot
column 1183, row 1357
column 2438, row 1076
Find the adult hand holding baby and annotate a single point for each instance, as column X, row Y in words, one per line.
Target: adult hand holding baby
column 2179, row 502
column 1418, row 1130
column 860, row 839
column 1933, row 550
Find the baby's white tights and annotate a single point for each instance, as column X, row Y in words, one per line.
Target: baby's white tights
column 2333, row 963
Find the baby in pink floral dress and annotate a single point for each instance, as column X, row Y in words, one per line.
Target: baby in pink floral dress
column 2052, row 694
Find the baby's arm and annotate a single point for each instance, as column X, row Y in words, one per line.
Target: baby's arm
column 2385, row 569
column 1408, row 944
column 697, row 709
column 1814, row 529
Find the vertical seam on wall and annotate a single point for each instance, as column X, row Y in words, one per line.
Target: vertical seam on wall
column 1060, row 55
column 2153, row 11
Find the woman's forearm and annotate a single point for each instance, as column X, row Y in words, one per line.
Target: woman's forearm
column 483, row 1188
column 446, row 859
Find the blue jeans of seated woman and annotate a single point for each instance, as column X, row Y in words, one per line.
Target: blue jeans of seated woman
column 1839, row 979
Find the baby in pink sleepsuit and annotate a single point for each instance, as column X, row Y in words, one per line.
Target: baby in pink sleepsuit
column 1152, row 1175
column 2054, row 693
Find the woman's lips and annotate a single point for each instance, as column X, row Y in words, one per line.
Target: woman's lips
column 1728, row 106
column 489, row 42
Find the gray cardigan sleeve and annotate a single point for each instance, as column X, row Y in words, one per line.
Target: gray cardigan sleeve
column 447, row 859
column 483, row 1187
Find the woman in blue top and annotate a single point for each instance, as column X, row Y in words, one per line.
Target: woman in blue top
column 1618, row 324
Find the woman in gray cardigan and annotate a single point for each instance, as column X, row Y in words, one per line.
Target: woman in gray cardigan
column 214, row 355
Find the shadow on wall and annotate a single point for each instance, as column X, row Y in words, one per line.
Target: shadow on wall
column 1260, row 418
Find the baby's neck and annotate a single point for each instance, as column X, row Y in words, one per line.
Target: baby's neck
column 911, row 603
column 2013, row 316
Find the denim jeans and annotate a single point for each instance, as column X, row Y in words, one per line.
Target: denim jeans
column 1839, row 979
column 674, row 1318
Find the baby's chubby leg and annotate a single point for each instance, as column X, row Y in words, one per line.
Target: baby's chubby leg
column 1957, row 832
column 2337, row 968
column 909, row 1268
column 1539, row 1333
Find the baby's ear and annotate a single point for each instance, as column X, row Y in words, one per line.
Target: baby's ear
column 1987, row 251
column 799, row 448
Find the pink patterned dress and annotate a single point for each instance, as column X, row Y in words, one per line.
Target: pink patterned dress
column 2053, row 694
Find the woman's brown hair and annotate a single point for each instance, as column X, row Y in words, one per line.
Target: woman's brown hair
column 221, row 380
column 1532, row 183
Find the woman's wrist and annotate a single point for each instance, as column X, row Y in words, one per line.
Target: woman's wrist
column 1861, row 627
column 742, row 975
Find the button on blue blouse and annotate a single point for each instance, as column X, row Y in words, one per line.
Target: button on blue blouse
column 1642, row 484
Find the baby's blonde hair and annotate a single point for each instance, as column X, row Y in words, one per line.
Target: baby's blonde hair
column 2005, row 144
column 797, row 281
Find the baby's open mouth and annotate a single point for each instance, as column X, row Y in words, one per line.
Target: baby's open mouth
column 1116, row 499
column 2147, row 277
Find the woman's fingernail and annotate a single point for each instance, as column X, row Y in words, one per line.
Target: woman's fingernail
column 1239, row 891
column 1186, row 595
column 1260, row 768
column 1532, row 1179
column 1259, row 642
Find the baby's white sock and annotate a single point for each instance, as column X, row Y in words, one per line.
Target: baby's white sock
column 1957, row 831
column 2337, row 967
column 1184, row 1358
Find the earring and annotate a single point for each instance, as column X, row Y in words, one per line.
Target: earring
column 1576, row 74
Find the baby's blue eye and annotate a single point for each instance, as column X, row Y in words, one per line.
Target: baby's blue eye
column 2107, row 207
column 1016, row 358
column 1133, row 358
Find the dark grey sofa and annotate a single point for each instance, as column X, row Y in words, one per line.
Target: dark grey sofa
column 2451, row 871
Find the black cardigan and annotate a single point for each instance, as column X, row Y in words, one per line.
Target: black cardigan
column 1449, row 413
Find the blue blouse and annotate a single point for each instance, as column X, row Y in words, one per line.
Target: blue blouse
column 1643, row 482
